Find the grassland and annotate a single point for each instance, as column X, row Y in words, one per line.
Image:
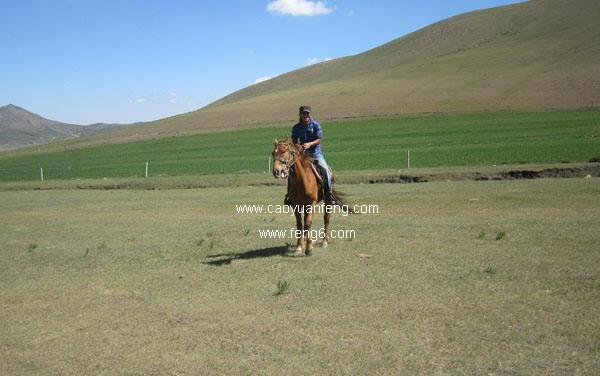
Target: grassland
column 434, row 140
column 498, row 277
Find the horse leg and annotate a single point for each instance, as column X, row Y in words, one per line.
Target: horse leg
column 307, row 223
column 326, row 217
column 300, row 243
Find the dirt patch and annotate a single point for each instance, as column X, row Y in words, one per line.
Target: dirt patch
column 555, row 172
column 359, row 177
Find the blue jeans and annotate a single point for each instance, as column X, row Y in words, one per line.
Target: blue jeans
column 323, row 167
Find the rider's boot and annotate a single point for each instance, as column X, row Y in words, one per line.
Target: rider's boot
column 328, row 196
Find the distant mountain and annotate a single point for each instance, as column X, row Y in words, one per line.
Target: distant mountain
column 19, row 127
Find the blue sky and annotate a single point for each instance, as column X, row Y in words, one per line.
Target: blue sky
column 122, row 61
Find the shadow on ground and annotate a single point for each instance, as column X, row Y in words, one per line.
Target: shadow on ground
column 256, row 253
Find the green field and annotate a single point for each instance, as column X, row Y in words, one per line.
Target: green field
column 498, row 277
column 433, row 140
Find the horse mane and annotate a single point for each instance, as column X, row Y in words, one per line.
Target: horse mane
column 303, row 156
column 306, row 157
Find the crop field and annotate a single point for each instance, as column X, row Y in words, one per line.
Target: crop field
column 496, row 277
column 433, row 140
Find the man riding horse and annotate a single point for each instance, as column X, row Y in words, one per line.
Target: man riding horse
column 294, row 162
column 310, row 133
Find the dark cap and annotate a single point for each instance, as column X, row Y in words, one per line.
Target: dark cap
column 305, row 109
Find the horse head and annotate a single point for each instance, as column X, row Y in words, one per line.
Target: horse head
column 283, row 158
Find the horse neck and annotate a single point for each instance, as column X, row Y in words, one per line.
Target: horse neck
column 300, row 171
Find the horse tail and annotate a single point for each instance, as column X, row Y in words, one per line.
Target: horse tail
column 340, row 200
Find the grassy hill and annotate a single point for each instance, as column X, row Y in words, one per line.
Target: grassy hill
column 509, row 54
column 536, row 55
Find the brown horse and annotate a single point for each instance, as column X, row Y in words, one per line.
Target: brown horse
column 305, row 191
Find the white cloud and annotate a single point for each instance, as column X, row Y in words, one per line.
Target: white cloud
column 262, row 79
column 351, row 13
column 328, row 58
column 173, row 98
column 141, row 100
column 312, row 60
column 298, row 7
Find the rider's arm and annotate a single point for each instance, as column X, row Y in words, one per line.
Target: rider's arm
column 311, row 144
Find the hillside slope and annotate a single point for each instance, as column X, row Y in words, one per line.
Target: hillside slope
column 511, row 53
column 541, row 54
column 536, row 55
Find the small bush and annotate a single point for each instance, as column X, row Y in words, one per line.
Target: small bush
column 283, row 287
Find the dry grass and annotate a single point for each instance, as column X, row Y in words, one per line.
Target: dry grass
column 173, row 282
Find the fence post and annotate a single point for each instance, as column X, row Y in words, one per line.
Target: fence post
column 408, row 158
column 269, row 166
column 146, row 173
column 41, row 174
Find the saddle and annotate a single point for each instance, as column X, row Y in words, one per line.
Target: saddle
column 317, row 171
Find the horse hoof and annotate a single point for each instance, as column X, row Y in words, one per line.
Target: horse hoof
column 325, row 244
column 309, row 252
column 298, row 252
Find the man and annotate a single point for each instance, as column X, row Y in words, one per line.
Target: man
column 309, row 132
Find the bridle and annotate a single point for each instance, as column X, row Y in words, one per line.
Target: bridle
column 292, row 160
